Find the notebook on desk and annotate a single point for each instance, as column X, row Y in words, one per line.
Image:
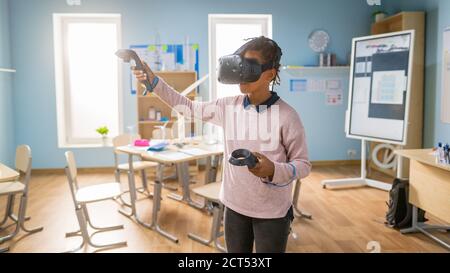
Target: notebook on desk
column 170, row 155
column 194, row 151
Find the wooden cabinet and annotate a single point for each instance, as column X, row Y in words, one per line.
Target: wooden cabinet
column 401, row 22
column 179, row 80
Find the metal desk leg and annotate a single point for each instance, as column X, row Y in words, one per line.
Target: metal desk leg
column 133, row 195
column 212, row 165
column 183, row 176
column 20, row 219
column 9, row 212
column 215, row 230
column 422, row 227
column 164, row 185
column 180, row 175
column 156, row 205
column 298, row 212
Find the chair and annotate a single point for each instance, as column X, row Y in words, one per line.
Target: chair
column 172, row 133
column 211, row 193
column 159, row 133
column 165, row 133
column 88, row 195
column 297, row 211
column 140, row 165
column 13, row 188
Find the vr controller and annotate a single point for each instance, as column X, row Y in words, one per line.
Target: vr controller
column 243, row 157
column 127, row 55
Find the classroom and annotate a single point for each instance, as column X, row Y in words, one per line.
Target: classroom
column 224, row 126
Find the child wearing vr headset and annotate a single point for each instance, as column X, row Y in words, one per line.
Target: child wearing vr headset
column 257, row 197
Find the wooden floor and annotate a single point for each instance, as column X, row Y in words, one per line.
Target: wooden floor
column 343, row 220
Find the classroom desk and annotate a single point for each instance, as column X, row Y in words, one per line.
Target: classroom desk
column 213, row 155
column 429, row 189
column 172, row 155
column 7, row 174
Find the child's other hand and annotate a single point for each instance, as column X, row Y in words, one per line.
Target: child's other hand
column 265, row 167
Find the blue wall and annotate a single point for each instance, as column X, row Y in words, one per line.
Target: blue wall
column 32, row 53
column 7, row 142
column 438, row 18
column 325, row 124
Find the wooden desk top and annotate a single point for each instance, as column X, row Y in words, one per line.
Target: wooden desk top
column 175, row 155
column 424, row 156
column 7, row 174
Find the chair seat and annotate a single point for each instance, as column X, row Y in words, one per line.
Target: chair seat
column 98, row 192
column 209, row 191
column 12, row 187
column 138, row 165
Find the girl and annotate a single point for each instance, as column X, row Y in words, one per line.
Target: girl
column 258, row 201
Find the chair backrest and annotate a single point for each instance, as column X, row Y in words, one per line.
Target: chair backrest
column 72, row 172
column 158, row 133
column 23, row 158
column 124, row 139
column 23, row 164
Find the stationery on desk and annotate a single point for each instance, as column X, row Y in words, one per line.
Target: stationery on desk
column 194, row 151
column 173, row 155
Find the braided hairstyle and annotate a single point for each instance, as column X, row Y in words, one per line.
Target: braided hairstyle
column 270, row 52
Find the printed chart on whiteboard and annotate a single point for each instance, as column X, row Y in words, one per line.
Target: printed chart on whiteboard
column 379, row 91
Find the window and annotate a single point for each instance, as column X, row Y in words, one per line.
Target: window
column 88, row 82
column 226, row 34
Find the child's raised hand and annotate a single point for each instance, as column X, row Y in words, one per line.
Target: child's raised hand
column 142, row 76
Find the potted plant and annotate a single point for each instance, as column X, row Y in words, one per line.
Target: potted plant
column 103, row 131
column 379, row 15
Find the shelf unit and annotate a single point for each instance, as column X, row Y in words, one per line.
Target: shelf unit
column 179, row 80
column 401, row 22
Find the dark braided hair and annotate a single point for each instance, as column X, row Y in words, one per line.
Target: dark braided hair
column 270, row 52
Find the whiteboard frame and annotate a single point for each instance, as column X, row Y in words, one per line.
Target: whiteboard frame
column 7, row 70
column 408, row 88
column 445, row 116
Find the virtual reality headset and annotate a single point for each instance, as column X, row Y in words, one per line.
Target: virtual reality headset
column 235, row 69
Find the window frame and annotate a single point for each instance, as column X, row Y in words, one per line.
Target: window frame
column 213, row 19
column 62, row 79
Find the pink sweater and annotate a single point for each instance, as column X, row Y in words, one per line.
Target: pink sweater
column 282, row 140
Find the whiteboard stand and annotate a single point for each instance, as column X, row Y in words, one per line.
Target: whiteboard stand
column 363, row 180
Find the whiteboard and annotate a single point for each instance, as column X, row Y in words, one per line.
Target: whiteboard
column 445, row 101
column 380, row 87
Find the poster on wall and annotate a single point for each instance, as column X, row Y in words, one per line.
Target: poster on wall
column 445, row 101
column 168, row 57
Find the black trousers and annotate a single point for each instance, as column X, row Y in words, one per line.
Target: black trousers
column 268, row 235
